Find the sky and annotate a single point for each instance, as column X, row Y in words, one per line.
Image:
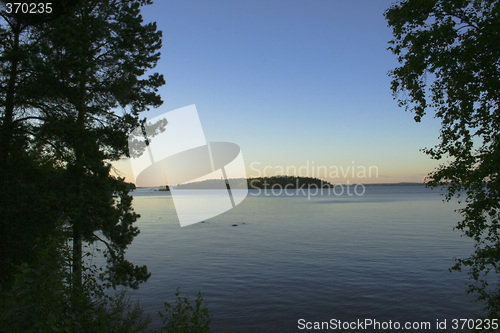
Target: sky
column 298, row 85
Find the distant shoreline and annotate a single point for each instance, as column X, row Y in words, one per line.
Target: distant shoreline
column 397, row 184
column 268, row 182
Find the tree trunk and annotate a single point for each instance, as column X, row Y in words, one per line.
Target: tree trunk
column 79, row 178
column 80, row 146
column 7, row 131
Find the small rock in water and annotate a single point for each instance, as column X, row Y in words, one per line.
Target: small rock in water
column 234, row 225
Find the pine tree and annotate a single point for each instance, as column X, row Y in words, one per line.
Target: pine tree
column 90, row 86
column 26, row 183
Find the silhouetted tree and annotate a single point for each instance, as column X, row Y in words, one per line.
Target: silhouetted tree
column 449, row 53
column 72, row 85
column 19, row 42
column 28, row 208
column 91, row 88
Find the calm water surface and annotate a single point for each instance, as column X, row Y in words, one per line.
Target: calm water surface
column 384, row 255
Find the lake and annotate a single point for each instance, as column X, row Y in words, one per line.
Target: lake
column 383, row 255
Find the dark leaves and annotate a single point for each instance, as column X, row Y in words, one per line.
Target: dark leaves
column 449, row 59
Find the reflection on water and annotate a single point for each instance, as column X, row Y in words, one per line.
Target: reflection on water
column 384, row 255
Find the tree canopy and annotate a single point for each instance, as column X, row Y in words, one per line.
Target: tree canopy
column 72, row 86
column 449, row 55
column 90, row 88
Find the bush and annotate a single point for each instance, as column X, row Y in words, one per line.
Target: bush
column 183, row 317
column 41, row 300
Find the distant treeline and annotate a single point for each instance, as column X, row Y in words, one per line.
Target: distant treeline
column 290, row 182
column 256, row 183
column 397, row 184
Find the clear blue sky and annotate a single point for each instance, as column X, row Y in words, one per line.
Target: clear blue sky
column 292, row 82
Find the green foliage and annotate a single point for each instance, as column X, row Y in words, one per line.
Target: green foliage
column 449, row 54
column 40, row 299
column 35, row 301
column 28, row 202
column 64, row 80
column 29, row 210
column 89, row 88
column 72, row 86
column 185, row 317
column 287, row 182
column 118, row 314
